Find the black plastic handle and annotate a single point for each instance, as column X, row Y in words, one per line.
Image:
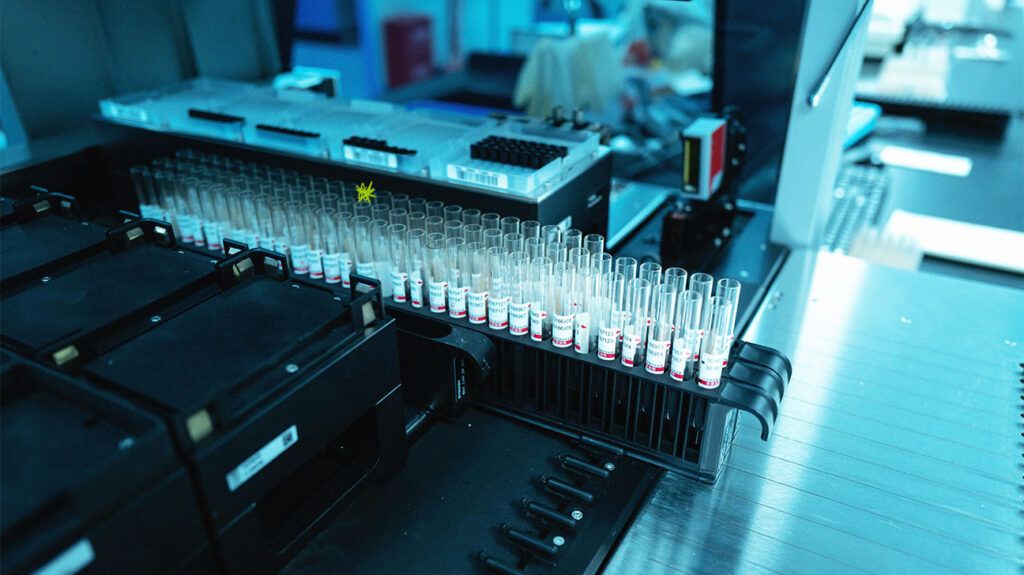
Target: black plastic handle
column 755, row 381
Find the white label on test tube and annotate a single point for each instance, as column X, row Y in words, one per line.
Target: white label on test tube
column 680, row 355
column 238, row 234
column 267, row 243
column 519, row 318
column 415, row 289
column 366, row 269
column 710, row 374
column 383, row 273
column 316, row 264
column 332, row 268
column 608, row 343
column 197, row 232
column 185, row 228
column 398, row 291
column 497, row 312
column 657, row 355
column 300, row 261
column 537, row 317
column 477, row 307
column 252, row 239
column 630, row 343
column 457, row 302
column 149, row 211
column 561, row 330
column 346, row 269
column 582, row 336
column 437, row 292
column 213, row 239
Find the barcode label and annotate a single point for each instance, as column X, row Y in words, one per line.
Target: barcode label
column 478, row 177
column 371, row 157
column 257, row 461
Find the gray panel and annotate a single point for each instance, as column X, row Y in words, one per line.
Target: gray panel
column 148, row 45
column 232, row 38
column 897, row 449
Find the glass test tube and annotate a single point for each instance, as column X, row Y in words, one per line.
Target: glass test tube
column 418, row 206
column 472, row 232
column 436, row 272
column 610, row 326
column 513, row 242
column 145, row 192
column 530, row 229
column 703, row 284
column 417, row 221
column 573, row 238
column 627, row 267
column 398, row 246
column 471, row 217
column 584, row 338
column 594, row 243
column 399, row 216
column 676, row 278
column 315, row 238
column 379, row 239
column 479, row 283
column 453, row 213
column 534, row 248
column 579, row 258
column 497, row 297
column 490, row 220
column 540, row 284
column 492, row 237
column 362, row 209
column 635, row 324
column 562, row 305
column 380, row 212
column 519, row 293
column 416, row 247
column 278, row 220
column 400, row 202
column 383, row 199
column 458, row 276
column 510, row 225
column 265, row 220
column 651, row 271
column 298, row 243
column 660, row 335
column 363, row 246
column 346, row 243
column 687, row 335
column 453, row 228
column 331, row 244
column 435, row 225
column 602, row 262
column 714, row 352
column 729, row 289
column 550, row 233
column 435, row 209
column 557, row 252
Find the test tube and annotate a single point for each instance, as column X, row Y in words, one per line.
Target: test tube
column 676, row 278
column 687, row 335
column 400, row 202
column 278, row 218
column 550, row 233
column 479, row 283
column 458, row 276
column 490, row 220
column 380, row 212
column 471, row 217
column 380, row 240
column 602, row 262
column 510, row 225
column 329, row 200
column 417, row 221
column 562, row 305
column 397, row 242
column 519, row 294
column 530, row 229
column 714, row 352
column 513, row 242
column 315, row 238
column 557, row 252
column 540, row 270
column 453, row 228
column 472, row 232
column 660, row 336
column 145, row 192
column 223, row 216
column 435, row 209
column 584, row 338
column 651, row 271
column 635, row 324
column 362, row 209
column 534, row 247
column 363, row 246
column 189, row 199
column 331, row 244
column 579, row 258
column 265, row 220
column 573, row 238
column 610, row 324
column 703, row 284
column 594, row 243
column 453, row 213
column 497, row 297
column 416, row 253
column 338, row 187
column 729, row 289
column 627, row 267
column 399, row 216
column 298, row 243
column 346, row 243
column 418, row 206
column 383, row 199
column 492, row 237
column 435, row 225
column 436, row 272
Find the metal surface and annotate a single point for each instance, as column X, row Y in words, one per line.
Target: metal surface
column 897, row 449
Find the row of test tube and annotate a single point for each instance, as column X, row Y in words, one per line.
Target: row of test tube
column 542, row 282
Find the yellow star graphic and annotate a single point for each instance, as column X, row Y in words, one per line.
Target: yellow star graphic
column 364, row 192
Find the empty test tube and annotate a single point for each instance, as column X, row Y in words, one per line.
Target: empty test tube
column 513, row 242
column 729, row 289
column 315, row 239
column 594, row 243
column 298, row 243
column 418, row 206
column 472, row 232
column 714, row 353
column 676, row 279
column 497, row 296
column 145, row 192
column 519, row 293
column 550, row 233
column 453, row 228
column 651, row 271
column 562, row 305
column 471, row 217
column 627, row 267
column 540, row 283
column 346, row 243
column 573, row 238
column 687, row 335
column 400, row 202
column 363, row 246
column 399, row 216
column 510, row 225
column 635, row 324
column 453, row 213
column 659, row 339
column 490, row 220
column 458, row 276
column 435, row 225
column 584, row 338
column 416, row 256
column 703, row 284
column 331, row 244
column 380, row 240
column 534, row 248
column 610, row 325
column 479, row 283
column 435, row 209
column 397, row 242
column 492, row 237
column 530, row 229
column 436, row 272
column 417, row 221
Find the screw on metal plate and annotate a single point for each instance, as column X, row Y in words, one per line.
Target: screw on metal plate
column 576, row 514
column 212, row 261
column 125, row 443
column 296, row 286
column 182, row 252
column 291, row 368
column 609, row 466
column 46, row 279
column 336, row 298
column 154, row 318
column 558, row 540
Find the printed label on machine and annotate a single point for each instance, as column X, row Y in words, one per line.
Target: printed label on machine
column 519, row 318
column 477, row 307
column 257, row 461
column 561, row 330
column 457, row 302
column 478, row 177
column 371, row 157
column 71, row 560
